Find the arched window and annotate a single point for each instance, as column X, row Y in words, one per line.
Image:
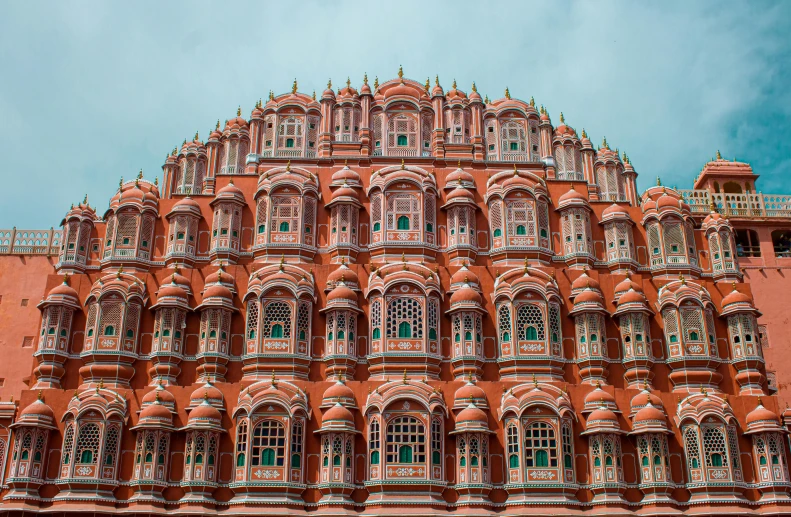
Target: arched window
column 268, row 446
column 88, row 439
column 513, row 447
column 406, row 441
column 540, row 445
column 530, row 322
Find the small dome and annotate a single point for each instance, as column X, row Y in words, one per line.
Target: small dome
column 588, row 296
column 344, row 192
column 631, row 296
column 187, row 202
column 341, row 292
column 217, row 291
column 466, row 294
column 584, row 281
column 63, row 289
column 516, row 181
column 343, row 273
column 626, row 284
column 598, row 398
column 459, row 175
column 339, row 413
column 644, row 398
column 649, row 413
column 572, row 195
column 171, row 290
column 204, row 392
column 761, row 414
column 472, row 414
column 461, row 193
column 205, row 411
column 469, row 392
column 338, row 392
column 165, row 397
column 38, row 409
column 464, row 276
column 156, row 411
column 614, row 210
column 735, row 297
column 345, row 174
column 229, row 190
column 601, row 414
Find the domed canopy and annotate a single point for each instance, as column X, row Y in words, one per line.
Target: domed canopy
column 737, row 302
column 345, row 274
column 599, row 398
column 464, row 276
column 573, row 198
column 650, row 419
column 162, row 395
column 339, row 419
column 207, row 392
column 470, row 392
column 338, row 392
column 602, row 420
column 62, row 294
column 229, row 192
column 205, row 416
column 588, row 300
column 762, row 419
column 459, row 178
column 472, row 420
column 341, row 297
column 155, row 415
column 582, row 282
column 465, row 298
column 347, row 176
column 171, row 295
column 37, row 414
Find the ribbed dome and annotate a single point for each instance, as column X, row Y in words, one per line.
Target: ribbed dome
column 39, row 409
column 649, row 413
column 63, row 289
column 217, row 291
column 761, row 414
column 341, row 292
column 472, row 414
column 338, row 412
column 205, row 412
column 466, row 294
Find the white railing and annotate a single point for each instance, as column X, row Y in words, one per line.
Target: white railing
column 231, row 169
column 740, row 205
column 516, row 157
column 30, row 242
column 459, row 139
column 406, row 152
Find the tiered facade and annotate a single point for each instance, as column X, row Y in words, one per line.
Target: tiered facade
column 398, row 299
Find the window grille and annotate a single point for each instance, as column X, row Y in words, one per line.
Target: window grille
column 540, row 445
column 277, row 313
column 268, row 445
column 530, row 323
column 406, row 440
column 404, row 310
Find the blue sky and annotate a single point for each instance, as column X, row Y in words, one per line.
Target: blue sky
column 90, row 92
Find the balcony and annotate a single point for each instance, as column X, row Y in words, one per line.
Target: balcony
column 739, row 205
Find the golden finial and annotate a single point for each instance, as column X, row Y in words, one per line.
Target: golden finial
column 733, row 284
column 516, row 172
column 507, row 93
column 121, row 182
column 584, row 134
column 41, row 395
column 682, row 279
column 401, row 73
column 271, row 95
column 329, row 84
column 604, row 143
column 532, row 102
column 454, row 83
column 645, row 384
column 288, row 166
column 376, row 83
column 759, row 400
column 427, row 85
column 405, row 377
column 403, row 166
column 719, row 156
column 626, row 159
column 562, row 118
column 76, row 395
column 274, row 380
column 348, row 82
column 658, row 182
column 365, row 78
column 474, row 88
column 314, row 95
column 282, row 262
column 535, row 381
column 156, row 398
column 403, row 257
column 294, row 86
column 436, row 80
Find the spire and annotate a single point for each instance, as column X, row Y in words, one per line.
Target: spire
column 454, row 83
column 329, row 84
column 427, row 85
column 376, row 83
column 436, row 80
column 486, row 99
column 271, row 95
column 584, row 134
column 474, row 88
column 719, row 156
column 406, row 381
column 562, row 118
column 401, row 73
column 507, row 93
column 365, row 78
column 532, row 102
column 294, row 86
column 604, row 143
column 348, row 82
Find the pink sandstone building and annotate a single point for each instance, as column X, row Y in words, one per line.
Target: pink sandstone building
column 400, row 300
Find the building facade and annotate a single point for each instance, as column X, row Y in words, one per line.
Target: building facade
column 402, row 299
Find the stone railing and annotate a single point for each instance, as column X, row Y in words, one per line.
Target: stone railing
column 739, row 205
column 30, row 242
